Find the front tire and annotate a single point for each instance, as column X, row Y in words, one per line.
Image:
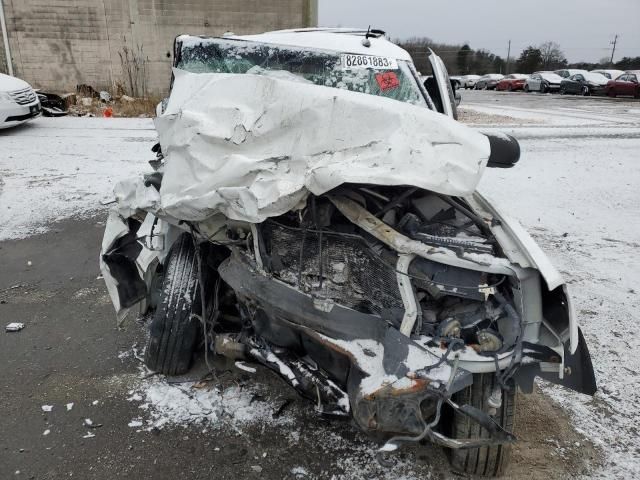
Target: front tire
column 585, row 91
column 174, row 330
column 526, row 88
column 485, row 461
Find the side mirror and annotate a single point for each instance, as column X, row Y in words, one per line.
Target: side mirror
column 505, row 151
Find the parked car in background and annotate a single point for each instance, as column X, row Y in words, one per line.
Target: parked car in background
column 543, row 82
column 489, row 81
column 610, row 74
column 626, row 84
column 455, row 81
column 569, row 72
column 584, row 84
column 468, row 81
column 512, row 82
column 18, row 101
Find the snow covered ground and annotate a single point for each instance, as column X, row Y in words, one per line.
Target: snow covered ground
column 575, row 190
column 54, row 168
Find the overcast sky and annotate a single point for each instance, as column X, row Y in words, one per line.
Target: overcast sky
column 583, row 28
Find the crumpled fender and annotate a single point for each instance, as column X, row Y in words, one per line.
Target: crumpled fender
column 523, row 251
column 127, row 263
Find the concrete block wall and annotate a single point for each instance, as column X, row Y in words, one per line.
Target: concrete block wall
column 58, row 44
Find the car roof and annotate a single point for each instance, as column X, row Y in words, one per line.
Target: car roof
column 345, row 40
column 635, row 72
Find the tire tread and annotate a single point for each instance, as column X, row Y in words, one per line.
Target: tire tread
column 488, row 461
column 173, row 331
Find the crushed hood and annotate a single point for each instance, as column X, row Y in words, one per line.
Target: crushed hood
column 253, row 146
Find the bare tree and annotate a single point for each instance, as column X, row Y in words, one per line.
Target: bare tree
column 134, row 69
column 552, row 56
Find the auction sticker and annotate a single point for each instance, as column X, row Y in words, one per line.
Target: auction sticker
column 352, row 61
column 387, row 81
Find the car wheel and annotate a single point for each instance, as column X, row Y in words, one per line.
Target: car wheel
column 562, row 90
column 509, row 88
column 585, row 91
column 526, row 88
column 485, row 461
column 174, row 330
column 637, row 95
column 612, row 93
column 543, row 88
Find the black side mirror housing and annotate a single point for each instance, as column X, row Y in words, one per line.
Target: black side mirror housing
column 505, row 151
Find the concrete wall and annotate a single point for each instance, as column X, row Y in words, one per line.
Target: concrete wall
column 58, row 44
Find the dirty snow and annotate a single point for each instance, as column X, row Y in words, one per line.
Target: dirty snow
column 165, row 404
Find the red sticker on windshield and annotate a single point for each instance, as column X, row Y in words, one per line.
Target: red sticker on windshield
column 387, row 81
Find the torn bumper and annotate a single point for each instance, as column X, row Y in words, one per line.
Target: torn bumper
column 392, row 382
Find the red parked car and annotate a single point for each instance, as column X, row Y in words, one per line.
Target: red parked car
column 627, row 84
column 512, row 82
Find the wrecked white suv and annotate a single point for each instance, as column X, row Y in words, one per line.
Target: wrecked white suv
column 313, row 209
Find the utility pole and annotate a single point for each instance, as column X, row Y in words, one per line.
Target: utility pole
column 508, row 55
column 615, row 40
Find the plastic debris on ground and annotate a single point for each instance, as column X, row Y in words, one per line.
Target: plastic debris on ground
column 14, row 327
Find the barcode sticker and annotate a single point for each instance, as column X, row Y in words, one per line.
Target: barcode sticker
column 352, row 61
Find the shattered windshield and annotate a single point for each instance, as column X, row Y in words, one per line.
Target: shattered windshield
column 372, row 75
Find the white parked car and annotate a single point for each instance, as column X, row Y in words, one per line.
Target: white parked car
column 468, row 81
column 609, row 73
column 543, row 82
column 18, row 101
